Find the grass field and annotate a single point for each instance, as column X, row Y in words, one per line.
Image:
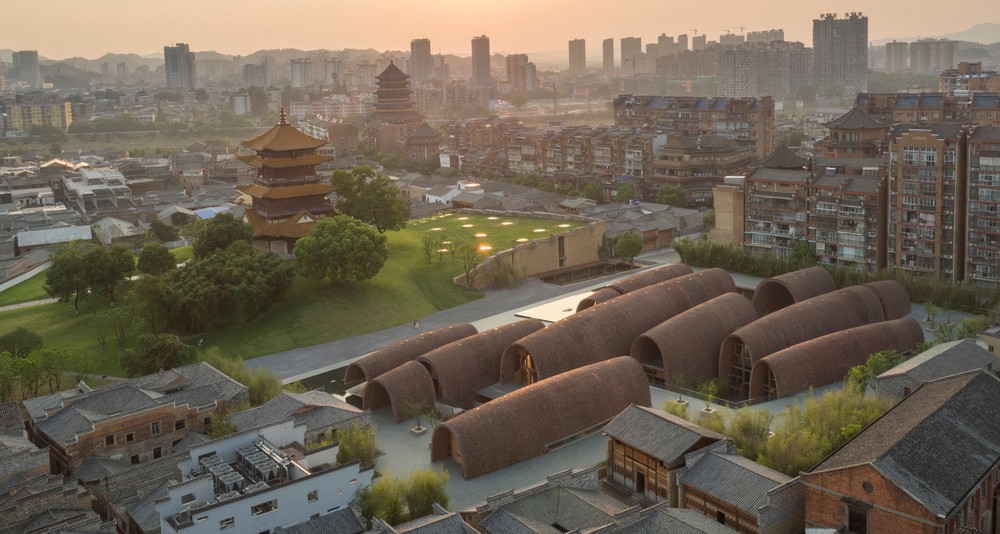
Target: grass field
column 314, row 312
column 34, row 287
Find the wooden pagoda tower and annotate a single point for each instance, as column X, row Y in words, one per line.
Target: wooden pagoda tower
column 288, row 196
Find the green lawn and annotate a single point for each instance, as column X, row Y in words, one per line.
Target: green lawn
column 316, row 312
column 182, row 254
column 27, row 291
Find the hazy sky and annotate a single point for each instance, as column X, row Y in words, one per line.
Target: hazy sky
column 89, row 28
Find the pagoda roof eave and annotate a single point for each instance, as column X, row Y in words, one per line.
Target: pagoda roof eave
column 285, row 163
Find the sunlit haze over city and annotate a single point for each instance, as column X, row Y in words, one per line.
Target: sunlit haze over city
column 244, row 26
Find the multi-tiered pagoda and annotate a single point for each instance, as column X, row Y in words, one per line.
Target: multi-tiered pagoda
column 396, row 126
column 287, row 194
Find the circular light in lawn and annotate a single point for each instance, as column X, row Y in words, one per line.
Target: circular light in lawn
column 467, row 226
column 463, row 218
column 480, row 235
column 564, row 226
column 435, row 229
column 507, row 223
column 523, row 240
column 492, row 218
column 442, row 250
column 484, row 248
column 539, row 229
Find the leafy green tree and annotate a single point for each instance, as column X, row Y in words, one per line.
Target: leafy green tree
column 384, row 499
column 77, row 365
column 472, row 258
column 218, row 233
column 231, row 287
column 163, row 232
column 625, row 194
column 20, row 342
column 860, row 377
column 676, row 408
column 51, row 363
column 628, row 246
column 749, row 428
column 8, row 376
column 430, row 243
column 931, row 311
column 424, row 487
column 356, row 443
column 671, row 194
column 106, row 269
column 592, row 192
column 29, row 372
column 66, row 277
column 262, row 385
column 371, row 197
column 154, row 352
column 708, row 219
column 156, row 259
column 341, row 249
column 802, row 255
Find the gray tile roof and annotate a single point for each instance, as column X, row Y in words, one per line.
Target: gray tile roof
column 196, row 385
column 144, row 512
column 571, row 509
column 943, row 360
column 449, row 523
column 341, row 521
column 661, row 435
column 675, row 521
column 734, row 480
column 98, row 468
column 780, row 175
column 10, row 419
column 315, row 409
column 784, row 158
column 935, row 444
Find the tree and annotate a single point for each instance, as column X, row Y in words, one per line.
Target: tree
column 229, row 287
column 383, row 499
column 430, row 243
column 708, row 219
column 66, row 277
column 625, row 194
column 30, row 376
column 802, row 255
column 51, row 363
column 371, row 197
column 341, row 249
column 8, row 376
column 155, row 259
column 356, row 443
column 749, row 429
column 424, row 487
column 106, row 269
column 415, row 410
column 262, row 385
column 931, row 310
column 860, row 377
column 628, row 246
column 20, row 342
column 592, row 192
column 154, row 352
column 671, row 194
column 163, row 232
column 472, row 257
column 218, row 233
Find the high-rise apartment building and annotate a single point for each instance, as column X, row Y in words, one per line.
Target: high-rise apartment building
column 699, row 42
column 840, row 50
column 577, row 57
column 984, row 205
column 179, row 66
column 631, row 53
column 896, row 56
column 517, row 71
column 420, row 61
column 766, row 36
column 927, row 197
column 682, row 42
column 608, row 48
column 931, row 56
column 26, row 67
column 302, row 74
column 256, row 75
column 332, row 72
column 481, row 77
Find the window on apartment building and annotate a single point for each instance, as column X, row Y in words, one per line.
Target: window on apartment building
column 264, row 507
column 129, row 438
column 313, row 495
column 134, row 459
column 857, row 519
column 157, row 452
column 109, row 440
column 179, row 425
column 154, row 428
column 227, row 523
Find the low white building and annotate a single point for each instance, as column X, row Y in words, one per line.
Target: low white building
column 256, row 481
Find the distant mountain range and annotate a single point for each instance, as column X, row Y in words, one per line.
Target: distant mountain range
column 985, row 33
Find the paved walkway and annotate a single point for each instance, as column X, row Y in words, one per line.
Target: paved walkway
column 494, row 309
column 27, row 304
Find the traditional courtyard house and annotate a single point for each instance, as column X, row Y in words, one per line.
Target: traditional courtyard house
column 741, row 494
column 288, row 196
column 135, row 421
column 321, row 413
column 928, row 465
column 939, row 361
column 646, row 449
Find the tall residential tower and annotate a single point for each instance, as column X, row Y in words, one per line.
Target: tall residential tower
column 840, row 51
column 179, row 66
column 481, row 78
column 577, row 57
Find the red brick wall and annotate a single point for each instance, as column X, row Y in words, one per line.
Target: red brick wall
column 826, row 506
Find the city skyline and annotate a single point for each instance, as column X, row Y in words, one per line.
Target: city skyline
column 449, row 24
